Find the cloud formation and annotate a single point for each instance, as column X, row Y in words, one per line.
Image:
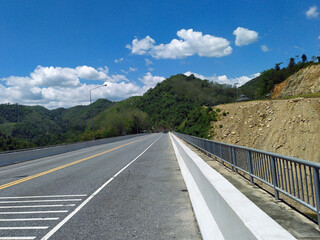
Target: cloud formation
column 54, row 87
column 151, row 81
column 223, row 79
column 264, row 48
column 189, row 43
column 118, row 60
column 245, row 36
column 312, row 12
column 141, row 47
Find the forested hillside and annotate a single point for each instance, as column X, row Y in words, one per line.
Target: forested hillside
column 259, row 87
column 169, row 103
column 38, row 126
column 122, row 118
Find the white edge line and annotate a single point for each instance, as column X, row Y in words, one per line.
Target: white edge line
column 24, row 228
column 50, row 200
column 39, row 206
column 35, row 212
column 57, row 227
column 28, row 219
column 50, row 196
column 17, row 238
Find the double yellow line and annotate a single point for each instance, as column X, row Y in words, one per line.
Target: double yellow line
column 64, row 166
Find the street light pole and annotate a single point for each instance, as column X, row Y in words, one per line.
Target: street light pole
column 104, row 85
column 236, row 85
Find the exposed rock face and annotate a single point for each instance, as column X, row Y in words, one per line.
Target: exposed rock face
column 306, row 81
column 289, row 127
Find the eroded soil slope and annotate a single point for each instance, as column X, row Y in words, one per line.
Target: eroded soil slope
column 288, row 127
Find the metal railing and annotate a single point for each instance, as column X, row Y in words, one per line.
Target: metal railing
column 295, row 178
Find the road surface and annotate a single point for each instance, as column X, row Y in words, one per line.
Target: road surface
column 130, row 189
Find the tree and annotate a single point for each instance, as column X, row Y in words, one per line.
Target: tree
column 318, row 58
column 291, row 63
column 277, row 66
column 304, row 58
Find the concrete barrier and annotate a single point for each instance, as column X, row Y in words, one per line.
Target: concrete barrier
column 31, row 154
column 222, row 211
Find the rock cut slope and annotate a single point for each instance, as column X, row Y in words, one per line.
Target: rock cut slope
column 289, row 127
column 305, row 81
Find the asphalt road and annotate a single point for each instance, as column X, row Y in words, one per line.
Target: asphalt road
column 131, row 189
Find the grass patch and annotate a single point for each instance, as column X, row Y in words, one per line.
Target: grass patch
column 310, row 95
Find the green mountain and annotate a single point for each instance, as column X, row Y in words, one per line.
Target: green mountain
column 39, row 126
column 121, row 119
column 170, row 101
column 163, row 107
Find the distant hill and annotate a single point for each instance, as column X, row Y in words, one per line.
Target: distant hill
column 122, row 118
column 39, row 126
column 169, row 102
column 163, row 107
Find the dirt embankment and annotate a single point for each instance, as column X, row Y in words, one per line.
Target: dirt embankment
column 288, row 127
column 305, row 81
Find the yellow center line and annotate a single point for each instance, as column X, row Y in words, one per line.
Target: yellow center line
column 65, row 165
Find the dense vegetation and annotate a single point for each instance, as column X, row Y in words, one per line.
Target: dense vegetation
column 259, row 87
column 170, row 102
column 38, row 126
column 198, row 122
column 8, row 143
column 121, row 119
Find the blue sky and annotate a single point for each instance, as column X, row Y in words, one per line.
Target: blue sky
column 53, row 52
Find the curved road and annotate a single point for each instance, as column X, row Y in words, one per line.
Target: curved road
column 130, row 189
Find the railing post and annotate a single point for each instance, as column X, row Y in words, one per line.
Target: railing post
column 317, row 191
column 235, row 160
column 250, row 166
column 210, row 147
column 274, row 177
column 214, row 149
column 221, row 154
column 231, row 158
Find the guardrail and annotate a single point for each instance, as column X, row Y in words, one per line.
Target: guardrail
column 293, row 177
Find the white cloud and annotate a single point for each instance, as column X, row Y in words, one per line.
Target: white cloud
column 223, row 79
column 312, row 12
column 132, row 69
column 245, row 36
column 264, row 48
column 148, row 62
column 54, row 87
column 319, row 37
column 151, row 81
column 140, row 47
column 189, row 43
column 118, row 60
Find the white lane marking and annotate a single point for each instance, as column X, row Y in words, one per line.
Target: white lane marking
column 17, row 238
column 24, row 228
column 28, row 219
column 56, row 228
column 50, row 196
column 39, row 206
column 50, row 200
column 34, row 212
